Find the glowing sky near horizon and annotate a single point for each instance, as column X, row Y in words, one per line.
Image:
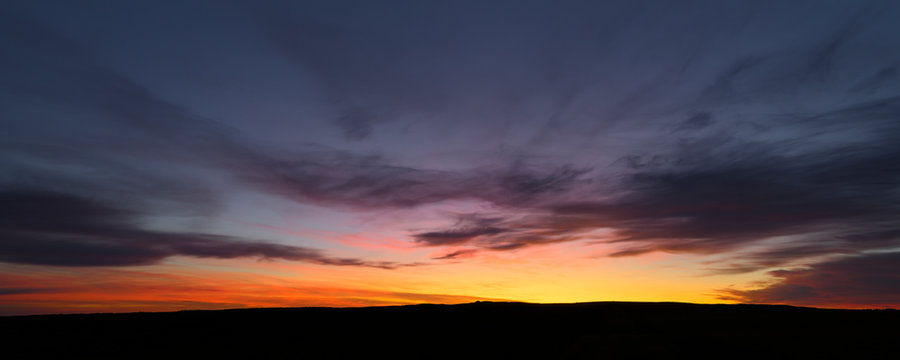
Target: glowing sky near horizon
column 163, row 155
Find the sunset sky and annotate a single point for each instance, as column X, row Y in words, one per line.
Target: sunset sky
column 167, row 155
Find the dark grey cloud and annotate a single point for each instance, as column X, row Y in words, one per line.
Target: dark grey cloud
column 456, row 254
column 467, row 228
column 50, row 228
column 720, row 193
column 501, row 232
column 24, row 290
column 455, row 236
column 371, row 182
column 871, row 279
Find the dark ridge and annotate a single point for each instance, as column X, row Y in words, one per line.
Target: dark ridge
column 614, row 330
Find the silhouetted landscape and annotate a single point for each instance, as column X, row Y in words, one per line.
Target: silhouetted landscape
column 476, row 330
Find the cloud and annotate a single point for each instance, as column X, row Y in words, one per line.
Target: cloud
column 52, row 228
column 832, row 191
column 372, row 182
column 367, row 70
column 69, row 202
column 717, row 195
column 457, row 254
column 500, row 232
column 24, row 290
column 866, row 280
column 455, row 236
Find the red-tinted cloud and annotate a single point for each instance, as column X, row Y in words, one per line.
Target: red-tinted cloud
column 862, row 281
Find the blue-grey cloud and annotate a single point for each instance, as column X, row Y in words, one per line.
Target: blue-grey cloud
column 49, row 228
column 371, row 182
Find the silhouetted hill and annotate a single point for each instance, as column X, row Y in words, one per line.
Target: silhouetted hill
column 612, row 330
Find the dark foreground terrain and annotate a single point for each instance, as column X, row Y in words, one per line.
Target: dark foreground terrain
column 478, row 330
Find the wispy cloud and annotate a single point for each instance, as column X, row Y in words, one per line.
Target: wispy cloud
column 372, row 182
column 48, row 228
column 720, row 193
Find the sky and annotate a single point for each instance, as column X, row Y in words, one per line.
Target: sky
column 167, row 155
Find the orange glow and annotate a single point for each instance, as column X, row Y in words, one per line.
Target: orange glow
column 541, row 274
column 127, row 290
column 568, row 272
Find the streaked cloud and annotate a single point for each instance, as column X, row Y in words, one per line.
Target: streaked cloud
column 45, row 228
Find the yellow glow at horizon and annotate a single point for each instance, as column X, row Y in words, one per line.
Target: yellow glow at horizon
column 563, row 273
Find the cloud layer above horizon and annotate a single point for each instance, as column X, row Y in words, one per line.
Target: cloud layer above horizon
column 762, row 136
